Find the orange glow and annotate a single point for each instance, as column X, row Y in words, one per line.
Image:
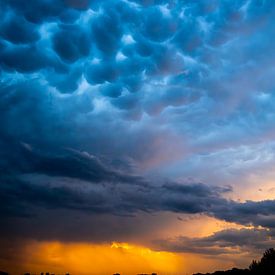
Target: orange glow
column 192, row 226
column 124, row 258
column 81, row 258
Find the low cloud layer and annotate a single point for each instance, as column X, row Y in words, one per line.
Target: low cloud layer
column 230, row 241
column 78, row 182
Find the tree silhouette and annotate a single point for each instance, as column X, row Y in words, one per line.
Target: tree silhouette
column 266, row 266
column 254, row 266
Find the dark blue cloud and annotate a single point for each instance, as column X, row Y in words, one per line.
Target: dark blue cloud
column 18, row 30
column 106, row 32
column 24, row 59
column 66, row 82
column 144, row 47
column 111, row 90
column 158, row 27
column 28, row 59
column 99, row 73
column 71, row 43
column 38, row 11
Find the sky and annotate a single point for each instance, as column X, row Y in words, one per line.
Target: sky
column 136, row 136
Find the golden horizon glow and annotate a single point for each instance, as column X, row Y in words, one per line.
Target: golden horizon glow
column 126, row 258
column 108, row 258
column 83, row 258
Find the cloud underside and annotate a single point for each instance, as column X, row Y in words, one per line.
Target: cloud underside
column 94, row 93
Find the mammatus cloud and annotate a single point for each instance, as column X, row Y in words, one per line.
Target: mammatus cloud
column 188, row 71
column 192, row 70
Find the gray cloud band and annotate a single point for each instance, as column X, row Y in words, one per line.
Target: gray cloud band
column 80, row 181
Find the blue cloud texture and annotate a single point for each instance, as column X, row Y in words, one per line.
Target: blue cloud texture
column 176, row 62
column 174, row 88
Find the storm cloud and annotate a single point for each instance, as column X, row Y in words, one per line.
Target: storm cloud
column 77, row 181
column 116, row 108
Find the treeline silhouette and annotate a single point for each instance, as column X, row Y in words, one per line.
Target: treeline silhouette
column 42, row 273
column 265, row 266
